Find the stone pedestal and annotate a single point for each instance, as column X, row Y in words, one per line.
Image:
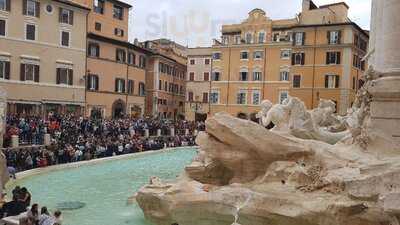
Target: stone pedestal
column 173, row 132
column 385, row 106
column 14, row 141
column 47, row 139
column 159, row 133
column 146, row 133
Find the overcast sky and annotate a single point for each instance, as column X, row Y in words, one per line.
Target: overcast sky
column 197, row 22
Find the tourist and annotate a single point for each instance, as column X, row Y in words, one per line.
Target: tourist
column 13, row 208
column 57, row 218
column 45, row 218
column 33, row 215
column 25, row 197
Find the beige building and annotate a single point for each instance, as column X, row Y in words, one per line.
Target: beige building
column 116, row 69
column 316, row 55
column 42, row 55
column 198, row 83
column 165, row 79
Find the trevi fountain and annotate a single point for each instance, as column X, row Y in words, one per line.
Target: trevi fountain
column 313, row 168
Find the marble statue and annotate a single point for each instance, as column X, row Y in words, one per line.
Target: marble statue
column 4, row 176
column 312, row 168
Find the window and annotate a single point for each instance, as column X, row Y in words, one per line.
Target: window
column 4, row 70
column 241, row 98
column 225, row 40
column 243, row 76
column 65, row 76
column 332, row 81
column 255, row 98
column 249, row 38
column 238, row 39
column 160, row 85
column 299, row 38
column 119, row 32
column 93, row 82
column 94, row 50
column 3, row 5
column 131, row 85
column 298, row 58
column 296, row 81
column 165, row 86
column 98, row 6
column 275, row 37
column 244, row 55
column 120, row 85
column 354, row 83
column 207, row 61
column 206, row 76
column 118, row 12
column 192, row 62
column 66, row 16
column 216, row 55
column 190, row 96
column 283, row 96
column 120, row 55
column 214, row 97
column 97, row 26
column 131, row 58
column 333, row 58
column 257, row 76
column 191, row 76
column 65, row 38
column 215, row 76
column 31, row 8
column 142, row 91
column 49, row 9
column 2, row 27
column 205, row 97
column 30, row 32
column 261, row 37
column 29, row 72
column 258, row 55
column 142, row 61
column 285, row 54
column 284, row 76
column 334, row 37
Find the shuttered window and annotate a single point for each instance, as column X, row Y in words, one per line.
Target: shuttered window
column 131, row 85
column 2, row 28
column 4, row 70
column 30, row 32
column 29, row 72
column 93, row 82
column 31, row 8
column 66, row 16
column 65, row 76
column 332, row 81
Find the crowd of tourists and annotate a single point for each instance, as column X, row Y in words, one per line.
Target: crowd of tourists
column 21, row 203
column 75, row 138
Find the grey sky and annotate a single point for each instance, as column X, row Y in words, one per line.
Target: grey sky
column 197, row 22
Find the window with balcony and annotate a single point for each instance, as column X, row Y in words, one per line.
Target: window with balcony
column 238, row 39
column 256, row 97
column 241, row 98
column 118, row 12
column 30, row 72
column 98, row 6
column 333, row 58
column 214, row 97
column 215, row 76
column 65, row 76
column 94, row 50
column 93, row 82
column 257, row 76
column 3, row 5
column 66, row 16
column 332, row 81
column 296, row 81
column 4, row 70
column 334, row 37
column 119, row 85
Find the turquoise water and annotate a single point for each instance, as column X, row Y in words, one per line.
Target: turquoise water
column 105, row 187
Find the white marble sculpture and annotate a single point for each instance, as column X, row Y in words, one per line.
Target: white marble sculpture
column 4, row 176
column 292, row 175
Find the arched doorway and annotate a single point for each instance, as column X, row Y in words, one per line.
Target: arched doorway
column 118, row 109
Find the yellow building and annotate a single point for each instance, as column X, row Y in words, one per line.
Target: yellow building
column 316, row 55
column 116, row 69
column 42, row 56
column 198, row 83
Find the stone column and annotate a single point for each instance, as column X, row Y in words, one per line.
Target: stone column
column 385, row 90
